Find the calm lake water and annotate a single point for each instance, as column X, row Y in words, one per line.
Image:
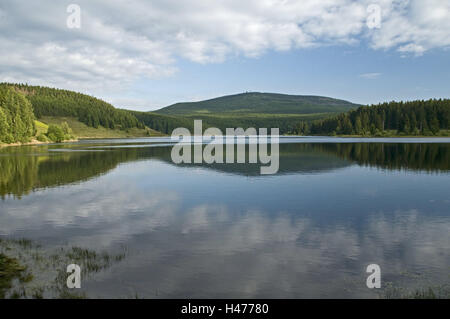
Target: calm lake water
column 224, row 230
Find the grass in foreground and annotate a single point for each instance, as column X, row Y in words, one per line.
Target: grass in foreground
column 11, row 270
column 81, row 130
column 438, row 292
column 29, row 271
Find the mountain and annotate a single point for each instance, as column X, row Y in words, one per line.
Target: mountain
column 254, row 109
column 257, row 103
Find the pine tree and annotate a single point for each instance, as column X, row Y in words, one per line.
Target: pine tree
column 417, row 117
column 16, row 118
column 5, row 135
column 358, row 126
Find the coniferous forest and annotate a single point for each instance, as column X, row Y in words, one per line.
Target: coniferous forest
column 16, row 117
column 87, row 109
column 21, row 104
column 399, row 118
column 163, row 123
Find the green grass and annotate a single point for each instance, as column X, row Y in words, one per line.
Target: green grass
column 81, row 130
column 41, row 128
column 436, row 292
column 28, row 270
column 10, row 269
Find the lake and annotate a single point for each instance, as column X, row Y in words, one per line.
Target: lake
column 225, row 231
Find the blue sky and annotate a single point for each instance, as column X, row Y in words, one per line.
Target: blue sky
column 150, row 54
column 355, row 73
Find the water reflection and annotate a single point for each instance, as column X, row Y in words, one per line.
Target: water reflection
column 395, row 156
column 29, row 168
column 180, row 248
column 280, row 256
column 216, row 231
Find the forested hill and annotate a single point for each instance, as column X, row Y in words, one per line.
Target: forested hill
column 16, row 117
column 306, row 115
column 87, row 109
column 266, row 103
column 431, row 117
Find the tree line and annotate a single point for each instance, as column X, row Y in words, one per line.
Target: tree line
column 57, row 133
column 408, row 118
column 87, row 109
column 16, row 117
column 163, row 123
column 21, row 103
column 167, row 123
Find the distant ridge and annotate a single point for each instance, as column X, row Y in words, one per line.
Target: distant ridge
column 265, row 103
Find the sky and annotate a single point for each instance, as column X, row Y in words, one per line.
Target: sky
column 144, row 55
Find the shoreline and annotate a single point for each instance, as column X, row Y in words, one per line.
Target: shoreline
column 36, row 142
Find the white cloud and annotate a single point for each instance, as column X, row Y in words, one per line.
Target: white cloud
column 412, row 48
column 370, row 76
column 119, row 43
column 413, row 26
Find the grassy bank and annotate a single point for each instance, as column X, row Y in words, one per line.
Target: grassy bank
column 41, row 128
column 32, row 142
column 81, row 130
